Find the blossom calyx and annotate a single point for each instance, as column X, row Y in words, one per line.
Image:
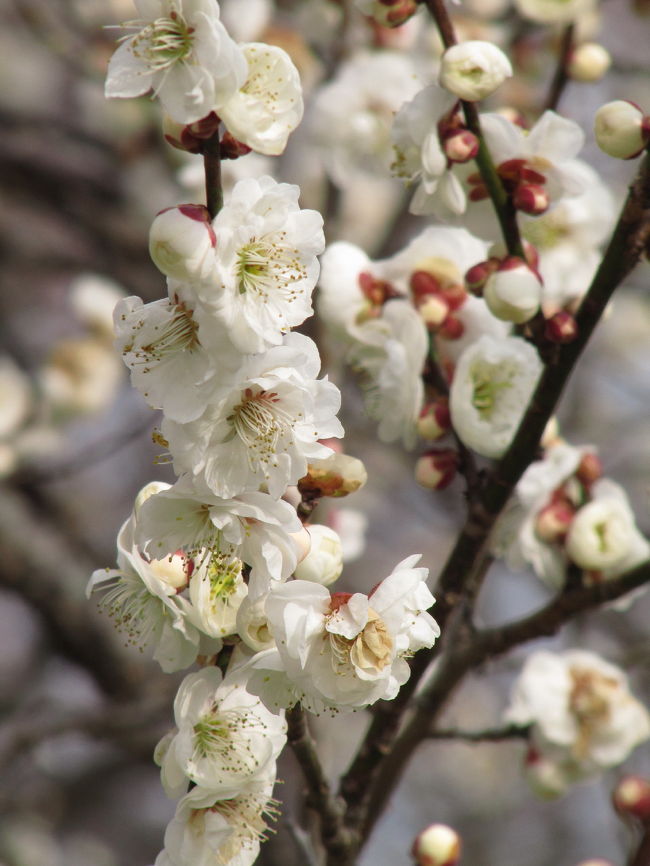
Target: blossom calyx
column 182, row 241
column 336, row 476
column 324, row 562
column 531, row 198
column 561, row 327
column 473, row 70
column 513, row 293
column 438, row 845
column 436, row 469
column 190, row 136
column 632, row 797
column 389, row 13
column 621, row 129
column 589, row 62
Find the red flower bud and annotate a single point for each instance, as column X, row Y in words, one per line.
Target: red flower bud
column 436, row 469
column 530, row 198
column 424, row 283
column 561, row 328
column 452, row 328
column 632, row 797
column 461, row 146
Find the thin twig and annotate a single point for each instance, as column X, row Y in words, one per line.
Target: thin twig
column 561, row 76
column 489, row 735
column 336, row 838
column 505, row 212
column 212, row 166
column 641, row 857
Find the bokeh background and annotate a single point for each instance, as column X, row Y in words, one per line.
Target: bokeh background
column 80, row 181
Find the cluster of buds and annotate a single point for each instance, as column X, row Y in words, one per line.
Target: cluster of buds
column 436, row 299
column 191, row 137
column 622, row 129
column 438, row 845
column 554, row 521
column 526, row 186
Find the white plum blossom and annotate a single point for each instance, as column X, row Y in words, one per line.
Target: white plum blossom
column 515, row 538
column 544, row 156
column 225, row 737
column 93, row 299
column 246, row 20
column 393, row 370
column 266, row 263
column 181, row 51
column 351, row 117
column 603, row 535
column 582, row 713
column 324, row 562
column 264, row 429
column 268, row 107
column 82, row 375
column 254, row 527
column 344, row 651
column 492, row 386
column 473, row 70
column 142, row 597
column 207, row 830
column 419, row 157
column 216, row 591
column 174, row 352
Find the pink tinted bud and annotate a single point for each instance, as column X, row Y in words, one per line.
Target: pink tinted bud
column 434, row 310
column 452, row 328
column 561, row 328
column 436, row 469
column 531, row 199
column 434, row 420
column 461, row 146
column 393, row 13
column 632, row 797
column 423, row 283
column 455, row 295
column 590, row 469
column 552, row 523
column 438, row 845
column 476, row 276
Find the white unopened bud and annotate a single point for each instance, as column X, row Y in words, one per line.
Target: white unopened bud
column 621, row 129
column 601, row 534
column 589, row 62
column 473, row 70
column 514, row 292
column 253, row 626
column 182, row 241
column 324, row 562
column 438, row 845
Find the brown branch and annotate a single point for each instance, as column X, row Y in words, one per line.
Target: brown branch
column 561, row 75
column 489, row 735
column 641, row 857
column 212, row 166
column 461, row 577
column 336, row 838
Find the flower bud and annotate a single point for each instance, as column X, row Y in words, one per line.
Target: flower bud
column 601, row 535
column 434, row 310
column 632, row 797
column 473, row 70
column 461, row 146
column 424, row 283
column 477, row 275
column 553, row 522
column 531, row 198
column 452, row 328
column 455, row 295
column 182, row 240
column 438, row 845
column 589, row 62
column 336, row 476
column 434, row 419
column 621, row 130
column 324, row 562
column 390, row 13
column 514, row 292
column 590, row 469
column 253, row 626
column 436, row 469
column 561, row 328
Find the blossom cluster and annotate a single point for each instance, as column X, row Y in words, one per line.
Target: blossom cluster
column 204, row 565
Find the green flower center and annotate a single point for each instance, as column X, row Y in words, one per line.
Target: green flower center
column 164, row 42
